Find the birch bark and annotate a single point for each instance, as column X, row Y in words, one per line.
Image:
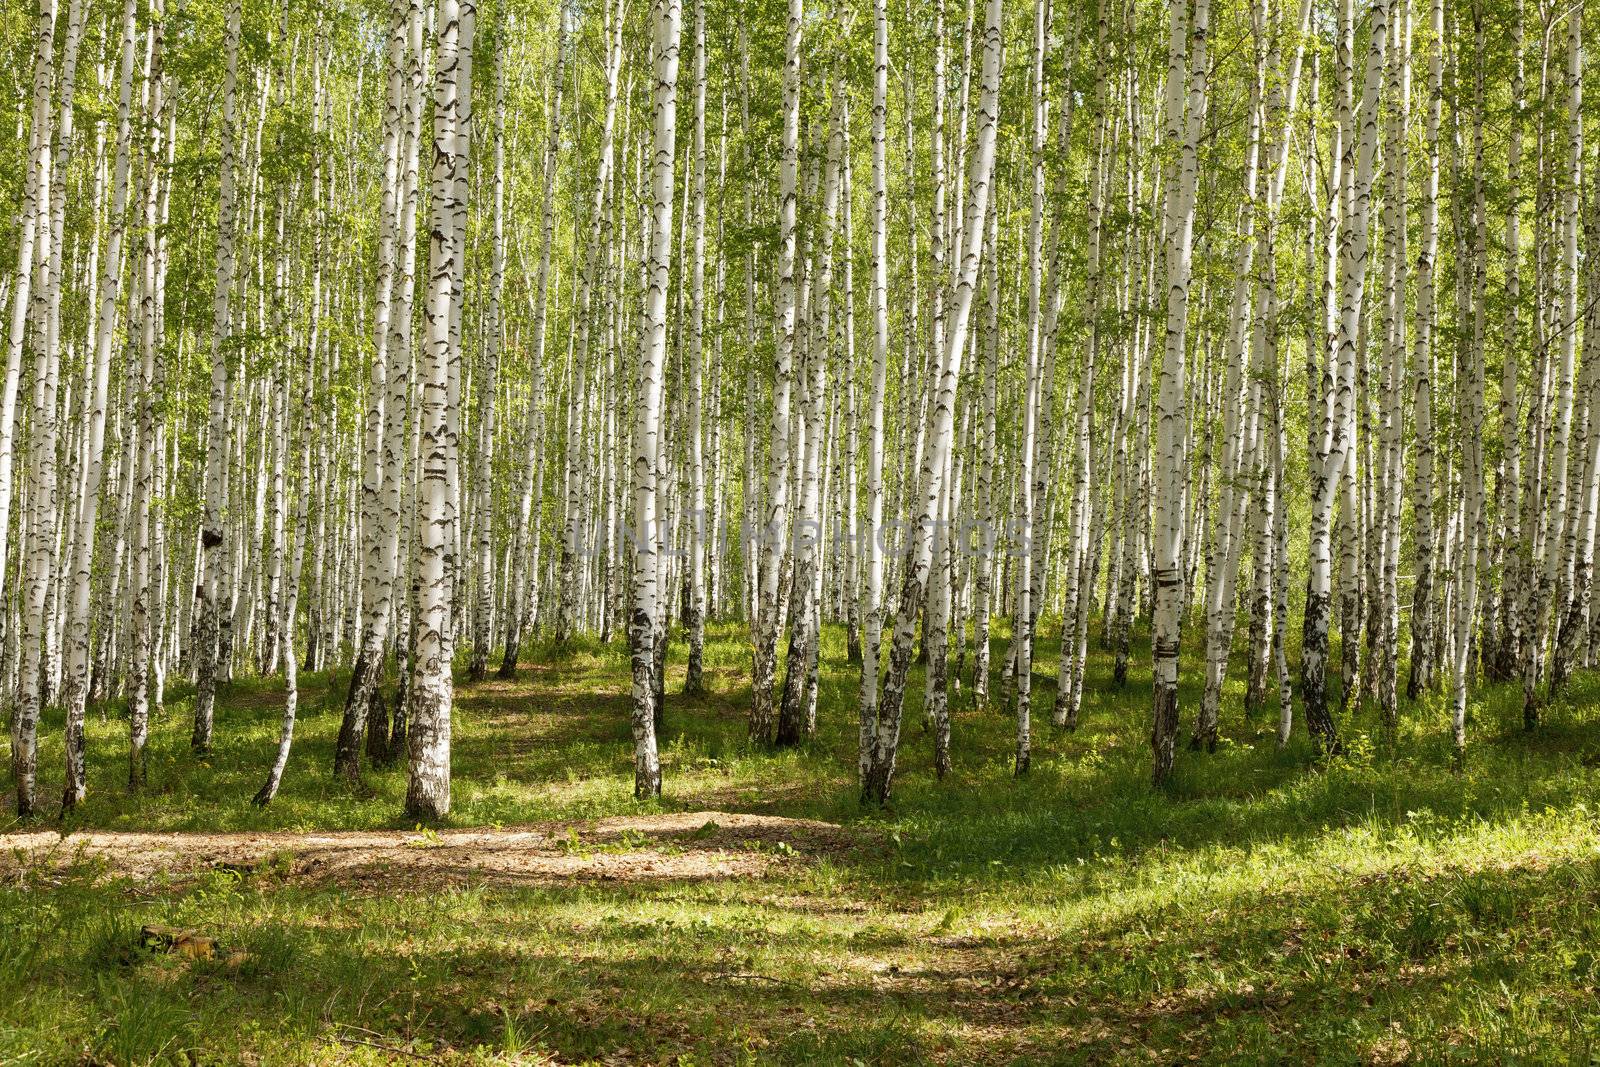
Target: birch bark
column 647, row 601
column 1185, row 114
column 886, row 734
column 429, row 715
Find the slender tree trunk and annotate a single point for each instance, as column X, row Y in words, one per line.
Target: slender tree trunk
column 772, row 534
column 805, row 605
column 1033, row 399
column 919, row 547
column 1227, row 532
column 1342, row 359
column 1397, row 271
column 1185, row 91
column 366, row 676
column 698, row 525
column 647, row 601
column 214, row 521
column 32, row 247
column 290, row 608
column 1423, row 638
column 591, row 259
column 1505, row 653
column 523, row 600
column 80, row 576
column 872, row 596
column 1470, row 405
column 429, row 716
column 1545, row 602
column 486, row 389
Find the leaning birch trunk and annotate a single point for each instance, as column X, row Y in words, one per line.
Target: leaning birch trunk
column 806, row 547
column 1186, row 65
column 213, row 523
column 428, row 729
column 525, row 570
column 1544, row 602
column 32, row 219
column 1424, row 643
column 698, row 524
column 290, row 607
column 494, row 330
column 1028, row 499
column 771, row 535
column 36, row 551
column 80, row 576
column 647, row 602
column 1326, row 480
column 872, row 593
column 919, row 547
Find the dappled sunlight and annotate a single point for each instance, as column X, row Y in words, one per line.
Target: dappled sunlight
column 1378, row 902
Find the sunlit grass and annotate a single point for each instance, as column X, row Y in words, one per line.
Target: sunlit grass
column 1267, row 906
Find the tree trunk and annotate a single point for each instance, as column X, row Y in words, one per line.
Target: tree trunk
column 1186, row 66
column 429, row 714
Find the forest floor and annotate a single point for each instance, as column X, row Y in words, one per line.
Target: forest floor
column 1267, row 906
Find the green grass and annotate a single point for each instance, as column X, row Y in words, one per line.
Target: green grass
column 1266, row 907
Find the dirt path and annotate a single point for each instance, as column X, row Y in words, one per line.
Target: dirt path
column 687, row 846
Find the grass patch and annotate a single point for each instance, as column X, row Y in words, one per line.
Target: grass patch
column 1266, row 907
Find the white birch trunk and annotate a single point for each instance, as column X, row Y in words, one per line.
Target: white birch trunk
column 80, row 576
column 919, row 547
column 1339, row 439
column 429, row 714
column 647, row 602
column 1185, row 92
column 487, row 387
column 1424, row 641
column 698, row 526
column 872, row 593
column 771, row 536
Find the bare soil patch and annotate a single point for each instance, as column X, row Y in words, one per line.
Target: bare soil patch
column 681, row 846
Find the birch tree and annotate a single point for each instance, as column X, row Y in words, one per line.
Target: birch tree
column 1185, row 116
column 693, row 680
column 919, row 547
column 1423, row 640
column 1352, row 272
column 646, row 491
column 80, row 574
column 213, row 530
column 525, row 583
column 432, row 688
column 872, row 593
column 772, row 533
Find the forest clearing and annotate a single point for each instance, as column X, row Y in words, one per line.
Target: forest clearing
column 1374, row 908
